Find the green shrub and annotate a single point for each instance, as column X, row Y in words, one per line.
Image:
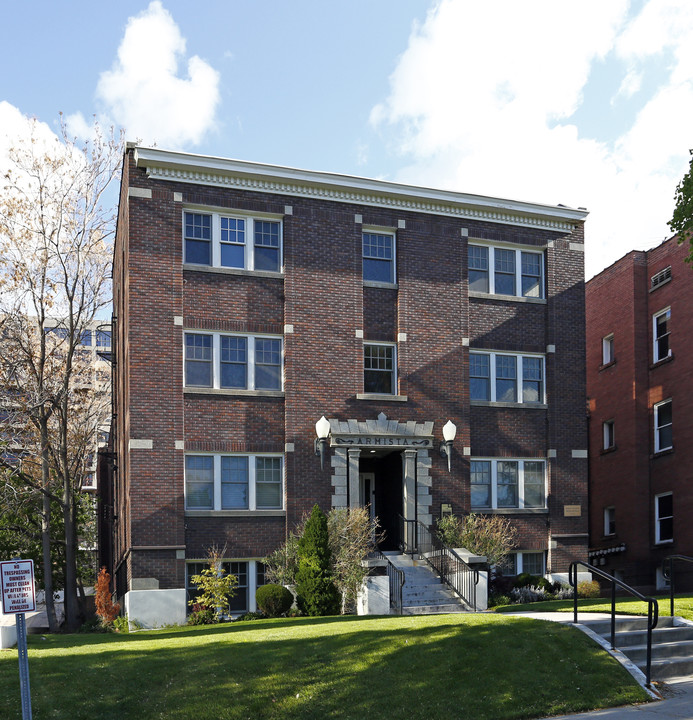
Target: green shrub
column 121, row 624
column 588, row 589
column 527, row 580
column 495, row 600
column 201, row 615
column 315, row 590
column 250, row 616
column 274, row 600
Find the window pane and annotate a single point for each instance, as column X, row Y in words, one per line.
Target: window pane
column 665, row 505
column 268, row 358
column 480, row 477
column 534, row 484
column 198, row 360
column 506, row 378
column 234, row 483
column 234, row 361
column 504, row 271
column 533, row 563
column 103, row 338
column 531, row 275
column 532, row 380
column 268, row 483
column 198, row 238
column 478, row 269
column 378, row 369
column 232, row 256
column 479, row 377
column 378, row 257
column 267, row 246
column 199, row 481
column 507, row 484
column 238, row 603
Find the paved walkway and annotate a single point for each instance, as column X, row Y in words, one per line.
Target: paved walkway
column 677, row 702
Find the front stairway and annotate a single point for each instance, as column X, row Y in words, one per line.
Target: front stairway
column 424, row 592
column 672, row 645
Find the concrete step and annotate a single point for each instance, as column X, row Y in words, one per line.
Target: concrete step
column 669, row 668
column 433, row 609
column 661, row 651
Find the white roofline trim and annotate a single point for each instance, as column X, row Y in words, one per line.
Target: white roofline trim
column 258, row 177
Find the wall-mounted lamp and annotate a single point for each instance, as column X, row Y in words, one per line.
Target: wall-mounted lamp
column 449, row 432
column 322, row 430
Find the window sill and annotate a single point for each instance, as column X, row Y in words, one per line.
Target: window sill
column 520, row 406
column 606, row 451
column 233, row 271
column 606, row 366
column 511, row 511
column 229, row 391
column 378, row 284
column 235, row 513
column 664, row 542
column 660, row 284
column 663, row 361
column 661, row 453
column 381, row 397
column 511, row 298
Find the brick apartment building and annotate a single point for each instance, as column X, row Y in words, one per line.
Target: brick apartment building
column 252, row 300
column 640, row 388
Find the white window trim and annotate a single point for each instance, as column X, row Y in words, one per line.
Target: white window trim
column 372, row 230
column 249, row 254
column 655, row 345
column 519, row 561
column 658, row 519
column 608, row 349
column 252, row 493
column 518, row 270
column 250, row 365
column 520, row 482
column 608, row 511
column 251, row 570
column 609, row 443
column 657, row 426
column 518, row 379
column 395, row 384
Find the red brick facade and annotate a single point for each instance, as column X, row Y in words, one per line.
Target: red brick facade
column 652, row 448
column 324, row 312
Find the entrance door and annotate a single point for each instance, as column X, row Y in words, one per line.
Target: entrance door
column 367, row 492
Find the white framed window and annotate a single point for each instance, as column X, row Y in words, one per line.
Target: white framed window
column 380, row 368
column 504, row 483
column 505, row 271
column 234, row 482
column 664, row 517
column 663, row 426
column 378, row 250
column 660, row 278
column 230, row 361
column 239, row 600
column 608, row 433
column 609, row 521
column 531, row 562
column 505, row 377
column 232, row 240
column 608, row 349
column 660, row 335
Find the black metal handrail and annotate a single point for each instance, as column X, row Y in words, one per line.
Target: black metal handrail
column 461, row 578
column 668, row 568
column 652, row 606
column 395, row 578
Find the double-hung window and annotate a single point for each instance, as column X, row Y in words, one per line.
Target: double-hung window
column 609, row 436
column 507, row 378
column 505, row 483
column 517, row 563
column 663, row 426
column 238, row 601
column 609, row 521
column 660, row 335
column 380, row 369
column 664, row 517
column 232, row 241
column 233, row 482
column 225, row 361
column 506, row 271
column 378, row 257
column 608, row 349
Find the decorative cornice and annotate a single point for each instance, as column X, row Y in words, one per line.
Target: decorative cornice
column 256, row 177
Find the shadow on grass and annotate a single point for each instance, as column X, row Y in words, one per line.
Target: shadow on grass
column 479, row 667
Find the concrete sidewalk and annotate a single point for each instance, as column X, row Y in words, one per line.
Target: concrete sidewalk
column 677, row 694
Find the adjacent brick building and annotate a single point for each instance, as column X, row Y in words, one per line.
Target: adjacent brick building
column 251, row 300
column 640, row 388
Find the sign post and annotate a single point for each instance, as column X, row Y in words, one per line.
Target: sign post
column 19, row 597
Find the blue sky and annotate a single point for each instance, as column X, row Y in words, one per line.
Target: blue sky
column 584, row 103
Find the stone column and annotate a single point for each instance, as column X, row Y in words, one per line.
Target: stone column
column 409, row 496
column 354, row 454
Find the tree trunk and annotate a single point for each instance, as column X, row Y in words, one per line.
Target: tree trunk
column 73, row 616
column 46, row 533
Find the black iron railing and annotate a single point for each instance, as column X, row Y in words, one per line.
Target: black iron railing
column 668, row 568
column 461, row 578
column 395, row 578
column 652, row 606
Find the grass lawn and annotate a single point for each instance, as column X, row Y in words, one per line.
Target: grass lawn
column 683, row 606
column 477, row 666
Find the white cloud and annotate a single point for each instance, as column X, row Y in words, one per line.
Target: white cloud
column 482, row 101
column 143, row 92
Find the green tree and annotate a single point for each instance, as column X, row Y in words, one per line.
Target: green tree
column 681, row 221
column 315, row 589
column 216, row 586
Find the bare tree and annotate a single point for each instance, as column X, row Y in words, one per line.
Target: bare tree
column 55, row 256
